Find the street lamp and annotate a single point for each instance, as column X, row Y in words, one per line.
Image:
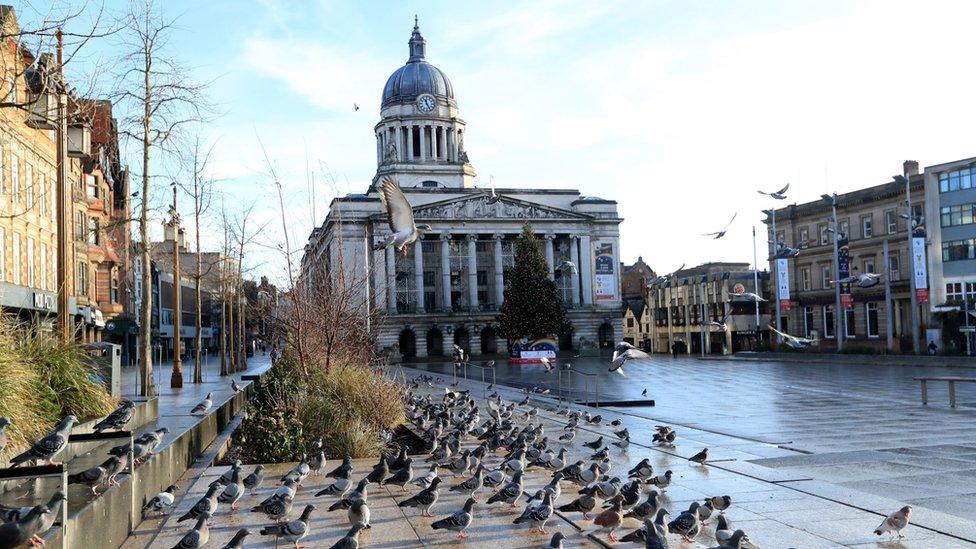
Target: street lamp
column 774, row 278
column 916, row 344
column 838, row 333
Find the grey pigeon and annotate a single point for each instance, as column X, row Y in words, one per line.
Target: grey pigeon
column 4, row 421
column 161, row 501
column 511, row 492
column 401, row 477
column 687, row 524
column 358, row 512
column 337, row 488
column 723, row 529
column 399, row 214
column 49, row 446
column 379, row 472
column 293, row 530
column 317, row 462
column 734, row 542
column 225, row 478
column 253, row 481
column 700, row 458
column 25, row 530
column 94, row 476
column 472, row 484
column 350, row 540
column 233, row 491
column 653, row 537
column 537, row 515
column 424, row 499
column 198, row 536
column 344, row 466
column 236, row 388
column 207, row 505
column 895, row 522
column 204, row 405
column 237, row 542
column 556, row 542
column 428, row 477
column 457, row 522
column 647, row 509
column 276, row 507
column 583, row 504
column 14, row 514
column 347, row 501
column 117, row 419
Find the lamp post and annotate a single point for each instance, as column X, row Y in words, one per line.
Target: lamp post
column 61, row 203
column 755, row 277
column 916, row 344
column 774, row 276
column 838, row 332
column 176, row 380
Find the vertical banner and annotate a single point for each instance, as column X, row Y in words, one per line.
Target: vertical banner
column 603, row 253
column 921, row 272
column 844, row 271
column 783, row 283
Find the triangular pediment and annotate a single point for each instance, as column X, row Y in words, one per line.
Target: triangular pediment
column 478, row 207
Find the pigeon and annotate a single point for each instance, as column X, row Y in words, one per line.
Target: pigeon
column 94, row 476
column 493, row 197
column 656, row 533
column 644, row 392
column 49, row 446
column 360, row 493
column 25, row 530
column 458, row 522
column 358, row 512
column 720, row 503
column 253, row 481
column 622, row 353
column 778, row 195
column 567, row 437
column 705, row 511
column 546, row 363
column 425, row 499
column 400, row 217
column 723, row 529
column 379, row 472
column 700, row 458
column 793, row 341
column 719, row 234
column 734, row 541
column 567, row 266
column 895, row 522
column 425, row 480
column 317, row 462
column 402, row 477
column 117, row 419
column 14, row 514
column 225, row 478
column 276, row 507
column 293, row 530
column 472, row 484
column 4, row 421
column 662, row 481
column 337, row 488
column 583, row 504
column 351, row 539
column 748, row 297
column 622, row 443
column 233, row 491
column 610, row 520
column 205, row 505
column 161, row 501
column 604, row 489
column 647, row 509
column 537, row 515
column 863, row 280
column 556, row 542
column 299, row 472
column 494, row 479
column 511, row 492
column 594, row 444
column 204, row 405
column 235, row 387
column 687, row 524
column 198, row 536
column 642, row 470
column 237, row 542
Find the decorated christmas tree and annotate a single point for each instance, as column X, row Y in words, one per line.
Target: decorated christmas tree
column 532, row 306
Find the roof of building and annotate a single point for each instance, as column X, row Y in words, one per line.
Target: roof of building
column 417, row 77
column 850, row 199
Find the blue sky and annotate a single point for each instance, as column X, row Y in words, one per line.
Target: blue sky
column 679, row 110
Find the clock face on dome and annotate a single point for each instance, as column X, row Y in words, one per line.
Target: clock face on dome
column 426, row 102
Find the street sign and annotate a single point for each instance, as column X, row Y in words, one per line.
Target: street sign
column 922, row 295
column 847, row 301
column 967, row 329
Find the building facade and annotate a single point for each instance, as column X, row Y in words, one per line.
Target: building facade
column 449, row 287
column 868, row 218
column 637, row 324
column 635, row 278
column 950, row 199
column 682, row 305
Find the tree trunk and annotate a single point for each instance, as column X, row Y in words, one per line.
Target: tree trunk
column 223, row 332
column 145, row 312
column 231, row 333
column 197, row 364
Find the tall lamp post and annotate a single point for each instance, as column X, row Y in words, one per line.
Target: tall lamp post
column 176, row 380
column 774, row 276
column 916, row 343
column 838, row 333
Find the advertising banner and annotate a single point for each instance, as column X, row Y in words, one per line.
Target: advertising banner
column 783, row 283
column 844, row 271
column 921, row 271
column 605, row 283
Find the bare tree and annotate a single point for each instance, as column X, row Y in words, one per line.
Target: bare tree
column 244, row 234
column 161, row 100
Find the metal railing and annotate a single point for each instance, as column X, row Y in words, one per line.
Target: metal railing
column 483, row 370
column 590, row 385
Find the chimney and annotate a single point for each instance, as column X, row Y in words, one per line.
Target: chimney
column 167, row 232
column 910, row 167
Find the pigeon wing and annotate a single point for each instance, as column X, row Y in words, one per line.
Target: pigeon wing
column 398, row 210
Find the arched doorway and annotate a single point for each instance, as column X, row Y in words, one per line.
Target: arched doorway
column 462, row 338
column 435, row 342
column 566, row 337
column 489, row 340
column 605, row 335
column 408, row 343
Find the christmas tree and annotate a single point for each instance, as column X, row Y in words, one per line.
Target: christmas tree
column 532, row 306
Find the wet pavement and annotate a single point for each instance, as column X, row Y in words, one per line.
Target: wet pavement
column 855, row 426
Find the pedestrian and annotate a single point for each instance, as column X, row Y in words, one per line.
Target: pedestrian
column 932, row 348
column 674, row 350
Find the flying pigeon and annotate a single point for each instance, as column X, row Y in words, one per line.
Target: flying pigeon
column 622, row 353
column 457, row 522
column 863, row 280
column 493, row 197
column 351, row 539
column 793, row 341
column 204, row 405
column 747, row 296
column 237, row 542
column 778, row 195
column 117, row 419
column 293, row 530
column 567, row 265
column 723, row 325
column 400, row 216
column 49, row 446
column 198, row 536
column 161, row 501
column 895, row 522
column 719, row 234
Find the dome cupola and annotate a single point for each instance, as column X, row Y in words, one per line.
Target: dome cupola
column 417, row 77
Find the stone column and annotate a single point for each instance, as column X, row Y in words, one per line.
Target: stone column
column 391, row 305
column 418, row 267
column 423, row 143
column 449, row 144
column 499, row 272
column 446, row 271
column 379, row 279
column 409, row 131
column 550, row 255
column 421, row 336
column 575, row 282
column 586, row 269
column 398, row 133
column 473, row 271
column 433, row 142
column 379, row 149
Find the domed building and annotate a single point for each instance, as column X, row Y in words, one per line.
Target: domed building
column 449, row 287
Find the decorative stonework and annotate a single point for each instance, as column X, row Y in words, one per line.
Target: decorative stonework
column 478, row 208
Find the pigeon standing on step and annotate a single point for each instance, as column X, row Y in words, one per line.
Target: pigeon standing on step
column 161, row 501
column 350, row 540
column 293, row 530
column 723, row 529
column 401, row 477
column 207, row 505
column 556, row 542
column 424, row 499
column 537, row 515
column 94, row 476
column 237, row 542
column 341, row 469
column 610, row 520
column 235, row 387
column 457, row 522
column 117, row 419
column 204, row 405
column 687, row 524
column 583, row 504
column 49, row 446
column 700, row 458
column 358, row 512
column 25, row 530
column 471, row 486
column 720, row 503
column 379, row 472
column 895, row 522
column 198, row 536
column 317, row 463
column 337, row 488
column 233, row 491
column 276, row 507
column 253, row 481
column 428, row 477
column 511, row 492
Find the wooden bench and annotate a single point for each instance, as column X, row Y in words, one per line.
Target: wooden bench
column 952, row 387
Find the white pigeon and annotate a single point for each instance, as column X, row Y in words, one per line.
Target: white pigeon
column 400, row 216
column 748, row 296
column 895, row 522
column 204, row 405
column 622, row 353
column 793, row 341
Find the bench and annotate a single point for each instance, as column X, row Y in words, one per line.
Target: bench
column 952, row 387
